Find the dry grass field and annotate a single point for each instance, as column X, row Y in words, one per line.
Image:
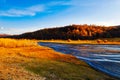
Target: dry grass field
column 26, row 60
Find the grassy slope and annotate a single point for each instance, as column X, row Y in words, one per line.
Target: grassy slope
column 21, row 62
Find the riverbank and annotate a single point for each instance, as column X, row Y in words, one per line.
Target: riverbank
column 25, row 60
column 99, row 41
column 100, row 57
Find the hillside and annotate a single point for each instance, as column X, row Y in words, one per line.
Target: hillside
column 73, row 32
column 4, row 35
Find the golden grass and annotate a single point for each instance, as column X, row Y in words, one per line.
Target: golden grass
column 18, row 56
column 12, row 43
column 98, row 41
column 30, row 48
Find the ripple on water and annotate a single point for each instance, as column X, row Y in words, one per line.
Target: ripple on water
column 105, row 58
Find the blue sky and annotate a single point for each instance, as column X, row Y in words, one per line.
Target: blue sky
column 19, row 16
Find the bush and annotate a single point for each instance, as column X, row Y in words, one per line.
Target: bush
column 69, row 40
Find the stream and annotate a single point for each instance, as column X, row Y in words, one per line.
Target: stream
column 105, row 58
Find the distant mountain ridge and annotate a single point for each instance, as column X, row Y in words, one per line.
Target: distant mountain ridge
column 73, row 32
column 4, row 35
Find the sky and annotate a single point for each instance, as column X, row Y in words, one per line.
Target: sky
column 19, row 16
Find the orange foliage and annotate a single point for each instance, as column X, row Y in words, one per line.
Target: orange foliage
column 73, row 32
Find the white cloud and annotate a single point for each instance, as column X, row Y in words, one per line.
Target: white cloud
column 16, row 13
column 36, row 8
column 32, row 10
column 59, row 3
column 29, row 11
column 72, row 3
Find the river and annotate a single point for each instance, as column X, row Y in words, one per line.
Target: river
column 105, row 58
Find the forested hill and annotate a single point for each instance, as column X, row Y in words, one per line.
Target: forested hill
column 73, row 32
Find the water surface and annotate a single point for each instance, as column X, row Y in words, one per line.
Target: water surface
column 105, row 58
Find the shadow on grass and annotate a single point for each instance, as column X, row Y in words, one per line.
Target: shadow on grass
column 56, row 70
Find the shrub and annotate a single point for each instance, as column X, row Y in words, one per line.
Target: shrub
column 69, row 40
column 99, row 41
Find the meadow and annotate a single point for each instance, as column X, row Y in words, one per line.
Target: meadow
column 22, row 59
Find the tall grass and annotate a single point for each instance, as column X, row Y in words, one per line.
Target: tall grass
column 46, row 63
column 13, row 43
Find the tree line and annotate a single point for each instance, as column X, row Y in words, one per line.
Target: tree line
column 73, row 32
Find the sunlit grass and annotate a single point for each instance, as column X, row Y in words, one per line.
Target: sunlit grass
column 57, row 70
column 97, row 41
column 42, row 63
column 13, row 43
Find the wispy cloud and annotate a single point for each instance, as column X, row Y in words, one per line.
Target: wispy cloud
column 59, row 3
column 29, row 11
column 32, row 10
